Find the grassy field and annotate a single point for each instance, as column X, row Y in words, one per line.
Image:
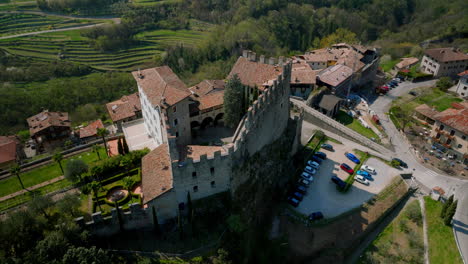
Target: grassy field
column 16, row 23
column 442, row 246
column 73, row 47
column 42, row 174
column 354, row 124
column 388, row 65
column 401, row 241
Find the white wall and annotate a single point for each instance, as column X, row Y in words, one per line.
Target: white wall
column 152, row 116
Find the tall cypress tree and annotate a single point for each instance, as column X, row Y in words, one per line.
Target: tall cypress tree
column 446, row 206
column 120, row 147
column 450, row 213
column 233, row 101
column 125, row 146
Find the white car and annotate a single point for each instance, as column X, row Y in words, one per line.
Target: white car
column 313, row 164
column 310, row 170
column 361, row 179
column 306, row 176
column 304, row 182
column 368, row 169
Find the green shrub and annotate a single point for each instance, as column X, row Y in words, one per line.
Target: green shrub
column 413, row 212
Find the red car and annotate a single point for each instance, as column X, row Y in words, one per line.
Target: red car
column 346, row 168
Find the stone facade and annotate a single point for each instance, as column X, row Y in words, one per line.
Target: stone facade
column 444, row 62
column 462, row 85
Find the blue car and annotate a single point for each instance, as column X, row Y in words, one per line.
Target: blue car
column 365, row 174
column 321, row 155
column 353, row 158
column 298, row 196
column 316, row 159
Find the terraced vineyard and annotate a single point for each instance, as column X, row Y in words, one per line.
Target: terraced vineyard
column 16, row 23
column 69, row 45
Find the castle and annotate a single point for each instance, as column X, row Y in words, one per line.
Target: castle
column 174, row 113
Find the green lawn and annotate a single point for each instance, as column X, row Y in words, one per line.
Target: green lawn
column 401, row 241
column 442, row 246
column 355, row 125
column 438, row 99
column 43, row 174
column 388, row 65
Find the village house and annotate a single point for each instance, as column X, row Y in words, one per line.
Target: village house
column 49, row 129
column 303, row 79
column 462, row 85
column 127, row 108
column 330, row 105
column 405, row 63
column 206, row 106
column 444, row 62
column 8, row 151
column 89, row 132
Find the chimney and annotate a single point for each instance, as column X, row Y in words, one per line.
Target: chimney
column 253, row 56
column 271, row 61
column 262, row 59
column 245, row 53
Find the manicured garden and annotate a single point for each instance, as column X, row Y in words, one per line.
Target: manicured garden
column 354, row 124
column 442, row 246
column 401, row 241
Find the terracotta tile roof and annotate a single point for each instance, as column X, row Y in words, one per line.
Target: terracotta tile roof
column 340, row 54
column 47, row 119
column 426, row 110
column 406, row 62
column 253, row 73
column 446, row 54
column 207, row 86
column 161, row 85
column 464, row 73
column 7, row 149
column 211, row 100
column 91, row 129
column 302, row 73
column 125, row 107
column 156, row 173
column 321, row 55
column 351, row 58
column 335, row 75
column 455, row 118
column 439, row 190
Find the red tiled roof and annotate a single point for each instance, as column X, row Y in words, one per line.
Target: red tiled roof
column 439, row 190
column 7, row 149
column 406, row 62
column 455, row 118
column 446, row 54
column 47, row 119
column 253, row 73
column 302, row 73
column 463, row 73
column 340, row 54
column 156, row 173
column 335, row 75
column 211, row 100
column 125, row 107
column 426, row 110
column 161, row 84
column 207, row 86
column 91, row 129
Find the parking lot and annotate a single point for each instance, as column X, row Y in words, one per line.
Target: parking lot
column 322, row 194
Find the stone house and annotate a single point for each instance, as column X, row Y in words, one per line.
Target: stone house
column 49, row 129
column 444, row 62
column 206, row 107
column 337, row 78
column 126, row 109
column 329, row 105
column 89, row 132
column 462, row 85
column 303, row 79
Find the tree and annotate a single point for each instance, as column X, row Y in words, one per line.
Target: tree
column 120, row 147
column 189, row 208
column 233, row 101
column 102, row 132
column 339, row 36
column 69, row 204
column 82, row 255
column 58, row 157
column 95, row 187
column 74, row 169
column 23, row 135
column 96, row 149
column 446, row 206
column 125, row 146
column 15, row 170
column 126, row 163
column 450, row 213
column 40, row 204
column 444, row 83
column 403, row 117
column 128, row 183
column 157, row 228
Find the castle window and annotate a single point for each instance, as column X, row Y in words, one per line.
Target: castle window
column 175, row 122
column 281, row 105
column 463, row 137
column 195, row 188
column 212, row 170
column 213, row 184
column 194, row 174
column 174, row 109
column 459, row 145
column 176, row 134
column 448, row 141
column 452, row 132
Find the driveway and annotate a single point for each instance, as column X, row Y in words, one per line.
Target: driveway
column 322, row 194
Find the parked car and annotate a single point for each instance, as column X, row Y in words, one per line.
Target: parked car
column 365, row 174
column 293, row 201
column 402, row 163
column 368, row 169
column 304, row 182
column 315, row 216
column 361, row 179
column 413, row 93
column 301, row 189
column 316, row 159
column 392, row 82
column 338, row 181
column 327, row 147
column 313, row 164
column 321, row 155
column 346, row 168
column 306, row 176
column 299, row 196
column 351, row 157
column 391, row 85
column 310, row 170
